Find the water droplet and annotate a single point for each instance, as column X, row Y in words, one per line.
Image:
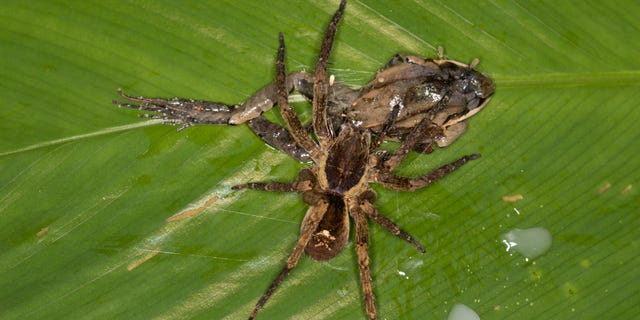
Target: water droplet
column 531, row 243
column 403, row 274
column 462, row 312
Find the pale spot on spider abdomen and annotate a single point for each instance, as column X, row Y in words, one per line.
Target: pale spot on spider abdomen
column 323, row 239
column 326, row 244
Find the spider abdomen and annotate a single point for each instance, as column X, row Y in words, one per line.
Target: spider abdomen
column 332, row 233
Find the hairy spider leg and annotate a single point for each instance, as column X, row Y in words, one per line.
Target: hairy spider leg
column 362, row 249
column 295, row 127
column 298, row 186
column 278, row 137
column 416, row 135
column 394, row 182
column 320, row 85
column 388, row 179
column 423, row 129
column 389, row 225
column 309, row 225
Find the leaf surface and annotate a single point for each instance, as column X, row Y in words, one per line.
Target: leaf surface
column 86, row 188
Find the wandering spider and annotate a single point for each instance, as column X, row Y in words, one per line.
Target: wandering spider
column 345, row 151
column 336, row 186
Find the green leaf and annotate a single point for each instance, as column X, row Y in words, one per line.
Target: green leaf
column 86, row 188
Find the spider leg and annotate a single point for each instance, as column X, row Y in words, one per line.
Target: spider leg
column 305, row 182
column 309, row 225
column 271, row 133
column 389, row 225
column 295, row 127
column 321, row 85
column 394, row 182
column 419, row 132
column 298, row 186
column 278, row 137
column 362, row 245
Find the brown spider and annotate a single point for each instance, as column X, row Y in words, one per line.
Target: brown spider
column 419, row 102
column 336, row 185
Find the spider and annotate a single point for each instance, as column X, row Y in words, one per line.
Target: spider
column 417, row 101
column 336, row 186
